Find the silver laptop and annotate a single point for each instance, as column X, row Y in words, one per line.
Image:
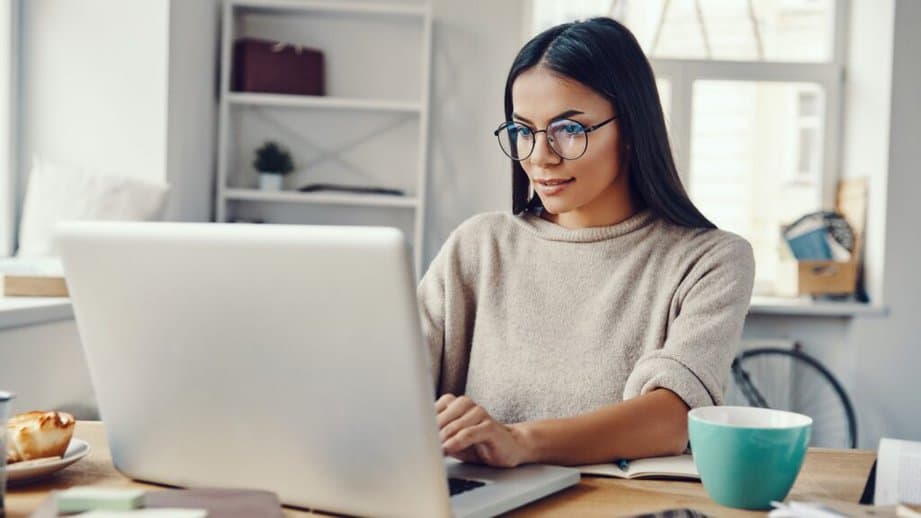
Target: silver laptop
column 279, row 357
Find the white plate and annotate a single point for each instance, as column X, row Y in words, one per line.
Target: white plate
column 76, row 450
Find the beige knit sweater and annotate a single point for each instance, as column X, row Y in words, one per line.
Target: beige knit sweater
column 533, row 320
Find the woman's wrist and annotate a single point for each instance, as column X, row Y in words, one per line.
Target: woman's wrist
column 527, row 436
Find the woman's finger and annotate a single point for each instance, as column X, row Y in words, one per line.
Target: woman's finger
column 456, row 408
column 443, row 402
column 469, row 455
column 472, row 417
column 468, row 437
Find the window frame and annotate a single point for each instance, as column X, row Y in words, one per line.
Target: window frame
column 681, row 75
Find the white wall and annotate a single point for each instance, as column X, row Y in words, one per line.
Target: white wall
column 194, row 30
column 474, row 45
column 95, row 84
column 124, row 88
column 867, row 103
column 44, row 366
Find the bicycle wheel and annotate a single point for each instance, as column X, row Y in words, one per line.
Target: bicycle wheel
column 792, row 380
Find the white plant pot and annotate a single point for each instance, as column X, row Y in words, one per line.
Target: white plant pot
column 270, row 181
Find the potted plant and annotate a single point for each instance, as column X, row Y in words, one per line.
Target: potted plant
column 273, row 162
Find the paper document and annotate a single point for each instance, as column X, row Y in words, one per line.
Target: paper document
column 898, row 472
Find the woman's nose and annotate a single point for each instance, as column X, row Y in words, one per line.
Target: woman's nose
column 542, row 154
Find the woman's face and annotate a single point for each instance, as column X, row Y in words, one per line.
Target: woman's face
column 591, row 190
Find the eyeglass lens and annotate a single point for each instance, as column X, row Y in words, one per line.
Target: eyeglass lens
column 567, row 138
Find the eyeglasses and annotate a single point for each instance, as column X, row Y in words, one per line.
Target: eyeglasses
column 568, row 139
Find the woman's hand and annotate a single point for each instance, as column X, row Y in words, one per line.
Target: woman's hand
column 470, row 434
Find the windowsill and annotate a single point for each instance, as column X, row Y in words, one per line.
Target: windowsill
column 805, row 306
column 25, row 311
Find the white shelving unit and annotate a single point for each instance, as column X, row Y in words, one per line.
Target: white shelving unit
column 371, row 200
column 295, row 101
column 371, row 129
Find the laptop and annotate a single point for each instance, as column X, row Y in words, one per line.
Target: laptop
column 280, row 357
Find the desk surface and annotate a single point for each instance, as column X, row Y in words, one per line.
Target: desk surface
column 826, row 474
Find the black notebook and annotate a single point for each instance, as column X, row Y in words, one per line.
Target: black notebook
column 322, row 187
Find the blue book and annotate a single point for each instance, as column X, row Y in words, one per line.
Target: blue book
column 811, row 246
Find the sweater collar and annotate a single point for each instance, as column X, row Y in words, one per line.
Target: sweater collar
column 553, row 232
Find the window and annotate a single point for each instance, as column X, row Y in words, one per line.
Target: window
column 750, row 89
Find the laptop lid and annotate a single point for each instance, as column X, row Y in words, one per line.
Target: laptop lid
column 281, row 357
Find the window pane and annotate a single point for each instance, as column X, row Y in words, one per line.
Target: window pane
column 547, row 13
column 756, row 30
column 665, row 96
column 747, row 156
column 808, row 103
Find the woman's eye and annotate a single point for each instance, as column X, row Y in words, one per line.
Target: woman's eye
column 572, row 129
column 521, row 131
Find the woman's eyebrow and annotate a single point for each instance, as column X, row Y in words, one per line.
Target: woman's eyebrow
column 563, row 115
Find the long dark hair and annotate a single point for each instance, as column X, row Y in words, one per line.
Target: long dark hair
column 603, row 55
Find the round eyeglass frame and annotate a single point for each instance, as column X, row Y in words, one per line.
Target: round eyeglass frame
column 550, row 141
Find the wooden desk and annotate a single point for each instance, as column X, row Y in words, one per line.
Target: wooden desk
column 826, row 474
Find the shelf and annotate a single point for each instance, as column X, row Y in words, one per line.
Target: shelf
column 383, row 49
column 331, row 103
column 333, row 7
column 322, row 198
column 27, row 311
column 805, row 306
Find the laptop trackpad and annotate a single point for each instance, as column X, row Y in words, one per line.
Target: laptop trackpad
column 505, row 489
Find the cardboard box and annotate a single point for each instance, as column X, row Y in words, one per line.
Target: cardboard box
column 796, row 278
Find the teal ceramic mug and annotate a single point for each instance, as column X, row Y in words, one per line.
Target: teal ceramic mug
column 746, row 456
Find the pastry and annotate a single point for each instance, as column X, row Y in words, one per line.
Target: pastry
column 35, row 435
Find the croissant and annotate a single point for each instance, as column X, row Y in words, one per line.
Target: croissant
column 34, row 435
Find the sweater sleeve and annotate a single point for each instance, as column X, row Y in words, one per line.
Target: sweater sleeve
column 431, row 298
column 446, row 309
column 702, row 338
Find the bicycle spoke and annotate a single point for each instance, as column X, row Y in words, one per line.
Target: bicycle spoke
column 787, row 380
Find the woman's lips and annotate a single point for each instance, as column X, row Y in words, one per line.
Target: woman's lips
column 552, row 186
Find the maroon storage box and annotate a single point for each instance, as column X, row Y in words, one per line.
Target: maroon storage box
column 275, row 67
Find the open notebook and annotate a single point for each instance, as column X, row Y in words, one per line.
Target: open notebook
column 678, row 467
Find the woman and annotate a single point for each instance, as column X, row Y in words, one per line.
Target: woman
column 583, row 327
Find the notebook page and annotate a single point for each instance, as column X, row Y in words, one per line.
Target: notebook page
column 680, row 466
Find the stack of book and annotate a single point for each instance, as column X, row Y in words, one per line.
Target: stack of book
column 33, row 277
column 825, row 247
column 820, row 236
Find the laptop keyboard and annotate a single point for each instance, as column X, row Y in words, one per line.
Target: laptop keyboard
column 459, row 485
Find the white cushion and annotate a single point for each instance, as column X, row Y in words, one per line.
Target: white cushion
column 59, row 193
